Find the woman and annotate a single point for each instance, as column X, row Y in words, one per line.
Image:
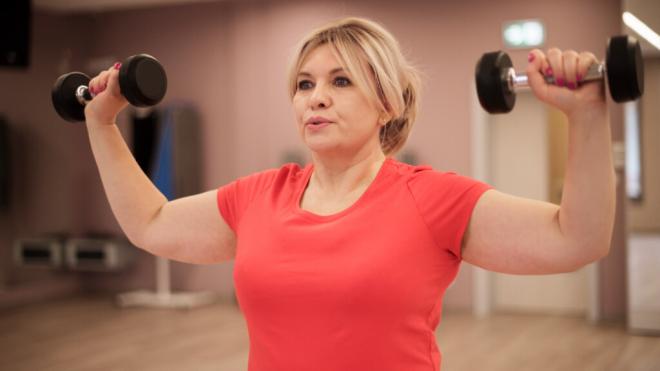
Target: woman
column 342, row 264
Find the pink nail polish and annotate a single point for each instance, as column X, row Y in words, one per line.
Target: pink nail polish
column 571, row 85
column 530, row 57
column 560, row 82
column 117, row 65
column 579, row 77
column 548, row 71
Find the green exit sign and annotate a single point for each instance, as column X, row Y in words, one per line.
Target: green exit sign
column 523, row 34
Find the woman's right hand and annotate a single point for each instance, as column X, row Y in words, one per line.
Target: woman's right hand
column 108, row 101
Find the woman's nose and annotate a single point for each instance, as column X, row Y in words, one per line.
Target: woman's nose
column 320, row 97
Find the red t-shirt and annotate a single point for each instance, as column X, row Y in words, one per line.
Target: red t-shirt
column 357, row 290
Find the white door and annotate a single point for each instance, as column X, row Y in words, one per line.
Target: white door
column 519, row 164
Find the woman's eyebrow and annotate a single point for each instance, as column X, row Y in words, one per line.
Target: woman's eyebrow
column 332, row 72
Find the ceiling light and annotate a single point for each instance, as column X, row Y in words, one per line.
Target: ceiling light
column 642, row 29
column 523, row 34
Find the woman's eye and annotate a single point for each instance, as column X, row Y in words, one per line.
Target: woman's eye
column 304, row 85
column 342, row 81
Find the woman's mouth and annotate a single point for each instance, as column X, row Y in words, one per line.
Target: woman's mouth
column 317, row 122
column 317, row 125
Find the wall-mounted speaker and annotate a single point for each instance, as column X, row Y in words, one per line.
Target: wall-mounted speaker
column 5, row 169
column 15, row 30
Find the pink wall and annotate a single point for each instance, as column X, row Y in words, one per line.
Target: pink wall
column 46, row 152
column 230, row 59
column 194, row 45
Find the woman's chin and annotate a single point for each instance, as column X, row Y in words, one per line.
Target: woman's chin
column 322, row 146
column 324, row 151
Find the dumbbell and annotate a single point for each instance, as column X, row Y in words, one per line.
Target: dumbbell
column 142, row 81
column 623, row 67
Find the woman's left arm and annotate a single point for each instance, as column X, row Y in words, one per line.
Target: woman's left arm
column 520, row 236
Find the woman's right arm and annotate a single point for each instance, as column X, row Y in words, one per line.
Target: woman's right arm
column 189, row 229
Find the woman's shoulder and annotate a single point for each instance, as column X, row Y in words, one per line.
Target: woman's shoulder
column 411, row 171
column 290, row 172
column 285, row 174
column 427, row 175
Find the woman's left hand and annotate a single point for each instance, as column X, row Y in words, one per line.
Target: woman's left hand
column 569, row 94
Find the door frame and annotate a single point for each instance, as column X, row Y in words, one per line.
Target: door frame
column 482, row 283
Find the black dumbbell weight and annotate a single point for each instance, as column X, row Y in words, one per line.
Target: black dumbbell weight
column 624, row 69
column 142, row 81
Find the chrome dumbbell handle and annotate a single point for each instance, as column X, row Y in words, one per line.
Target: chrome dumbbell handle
column 83, row 95
column 595, row 72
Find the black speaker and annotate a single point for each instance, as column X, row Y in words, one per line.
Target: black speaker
column 15, row 25
column 4, row 164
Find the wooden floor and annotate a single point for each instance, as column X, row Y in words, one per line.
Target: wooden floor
column 92, row 334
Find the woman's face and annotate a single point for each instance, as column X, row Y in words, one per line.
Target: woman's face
column 333, row 114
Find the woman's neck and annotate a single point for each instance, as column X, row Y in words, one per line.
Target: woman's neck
column 342, row 176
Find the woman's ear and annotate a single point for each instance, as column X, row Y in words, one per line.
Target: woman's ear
column 384, row 117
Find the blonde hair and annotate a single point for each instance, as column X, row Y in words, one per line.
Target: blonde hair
column 366, row 48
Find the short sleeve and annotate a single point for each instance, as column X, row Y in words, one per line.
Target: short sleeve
column 445, row 202
column 234, row 198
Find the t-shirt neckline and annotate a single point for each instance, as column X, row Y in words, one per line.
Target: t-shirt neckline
column 317, row 217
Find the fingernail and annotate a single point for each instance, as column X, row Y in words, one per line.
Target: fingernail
column 571, row 85
column 530, row 57
column 91, row 90
column 117, row 65
column 548, row 71
column 579, row 77
column 560, row 82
